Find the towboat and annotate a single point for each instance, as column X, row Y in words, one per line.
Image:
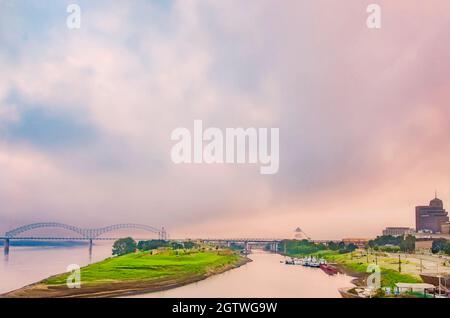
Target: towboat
column 310, row 262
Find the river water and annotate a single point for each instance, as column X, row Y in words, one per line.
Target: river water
column 26, row 265
column 266, row 276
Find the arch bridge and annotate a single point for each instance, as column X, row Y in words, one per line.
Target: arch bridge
column 89, row 234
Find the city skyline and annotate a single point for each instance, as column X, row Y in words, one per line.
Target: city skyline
column 86, row 114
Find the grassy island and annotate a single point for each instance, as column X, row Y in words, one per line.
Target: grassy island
column 138, row 272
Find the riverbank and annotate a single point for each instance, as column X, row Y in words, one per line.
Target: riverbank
column 355, row 264
column 136, row 273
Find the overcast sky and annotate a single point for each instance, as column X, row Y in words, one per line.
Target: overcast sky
column 86, row 114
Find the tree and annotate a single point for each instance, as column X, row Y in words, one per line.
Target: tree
column 332, row 246
column 447, row 249
column 176, row 245
column 351, row 247
column 438, row 245
column 124, row 246
column 408, row 244
column 385, row 240
column 189, row 245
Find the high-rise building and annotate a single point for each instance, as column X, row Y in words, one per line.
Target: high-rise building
column 430, row 217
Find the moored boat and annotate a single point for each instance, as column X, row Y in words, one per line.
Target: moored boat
column 310, row 262
column 293, row 261
column 289, row 261
column 314, row 264
column 329, row 269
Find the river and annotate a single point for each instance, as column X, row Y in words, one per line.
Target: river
column 26, row 265
column 266, row 276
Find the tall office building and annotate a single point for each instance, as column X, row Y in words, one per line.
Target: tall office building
column 431, row 217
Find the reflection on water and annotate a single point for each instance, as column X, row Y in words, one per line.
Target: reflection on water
column 26, row 265
column 266, row 276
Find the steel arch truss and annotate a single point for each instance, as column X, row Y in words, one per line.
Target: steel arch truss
column 86, row 233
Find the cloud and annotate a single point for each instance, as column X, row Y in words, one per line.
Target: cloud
column 362, row 113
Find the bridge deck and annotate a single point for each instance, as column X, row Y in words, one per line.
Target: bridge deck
column 59, row 238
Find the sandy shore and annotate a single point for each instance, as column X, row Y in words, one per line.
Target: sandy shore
column 113, row 289
column 359, row 279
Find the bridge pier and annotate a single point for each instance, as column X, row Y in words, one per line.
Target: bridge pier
column 6, row 247
column 246, row 247
column 162, row 234
column 90, row 250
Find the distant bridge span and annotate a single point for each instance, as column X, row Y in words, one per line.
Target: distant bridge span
column 89, row 234
column 273, row 243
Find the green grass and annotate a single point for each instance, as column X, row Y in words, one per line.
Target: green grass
column 390, row 277
column 144, row 266
column 357, row 262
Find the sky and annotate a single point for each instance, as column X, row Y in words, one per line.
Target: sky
column 86, row 114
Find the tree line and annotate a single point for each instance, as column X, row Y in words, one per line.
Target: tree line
column 305, row 247
column 128, row 245
column 389, row 243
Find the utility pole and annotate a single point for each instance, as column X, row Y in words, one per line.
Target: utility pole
column 439, row 276
column 399, row 264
